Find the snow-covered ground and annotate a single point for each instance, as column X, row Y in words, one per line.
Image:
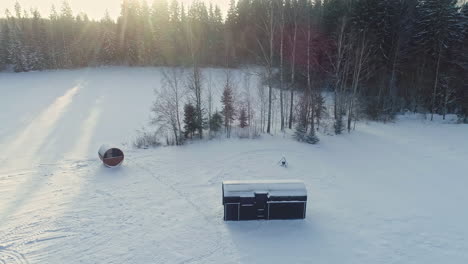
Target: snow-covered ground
column 387, row 193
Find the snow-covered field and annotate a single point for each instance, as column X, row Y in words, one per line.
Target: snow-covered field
column 387, row 193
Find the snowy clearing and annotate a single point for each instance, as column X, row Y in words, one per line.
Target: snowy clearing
column 386, row 193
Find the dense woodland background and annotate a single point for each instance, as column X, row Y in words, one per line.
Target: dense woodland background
column 377, row 58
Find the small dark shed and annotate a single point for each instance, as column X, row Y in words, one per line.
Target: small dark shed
column 264, row 199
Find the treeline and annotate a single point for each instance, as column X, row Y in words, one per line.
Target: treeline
column 143, row 35
column 377, row 58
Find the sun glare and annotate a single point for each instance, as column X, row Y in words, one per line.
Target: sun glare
column 94, row 9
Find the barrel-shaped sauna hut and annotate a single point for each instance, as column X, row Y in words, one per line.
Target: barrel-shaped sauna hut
column 264, row 199
column 111, row 157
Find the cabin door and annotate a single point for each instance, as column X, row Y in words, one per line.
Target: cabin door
column 261, row 200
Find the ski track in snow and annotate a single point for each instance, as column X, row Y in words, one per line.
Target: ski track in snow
column 387, row 193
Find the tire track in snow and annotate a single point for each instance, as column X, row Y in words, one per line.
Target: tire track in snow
column 8, row 256
column 37, row 226
column 37, row 234
column 170, row 186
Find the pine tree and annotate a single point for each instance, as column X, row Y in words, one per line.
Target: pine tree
column 462, row 92
column 67, row 34
column 164, row 51
column 38, row 52
column 145, row 35
column 243, row 118
column 190, row 126
column 3, row 44
column 17, row 54
column 108, row 50
column 436, row 31
column 129, row 31
column 195, row 87
column 320, row 109
column 338, row 124
column 415, row 50
column 311, row 137
column 216, row 122
column 300, row 132
column 227, row 99
column 53, row 49
column 231, row 28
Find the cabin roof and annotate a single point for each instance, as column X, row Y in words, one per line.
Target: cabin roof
column 248, row 188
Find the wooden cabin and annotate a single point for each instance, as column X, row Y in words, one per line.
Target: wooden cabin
column 264, row 199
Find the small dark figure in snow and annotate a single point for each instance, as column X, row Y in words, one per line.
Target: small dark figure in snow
column 283, row 162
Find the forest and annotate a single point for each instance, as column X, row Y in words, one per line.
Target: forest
column 377, row 58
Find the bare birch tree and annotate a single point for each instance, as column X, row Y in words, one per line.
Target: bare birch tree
column 339, row 66
column 195, row 87
column 227, row 100
column 166, row 108
column 359, row 60
column 267, row 25
column 282, row 22
column 210, row 99
column 293, row 66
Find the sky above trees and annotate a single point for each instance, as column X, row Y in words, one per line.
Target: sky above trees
column 95, row 9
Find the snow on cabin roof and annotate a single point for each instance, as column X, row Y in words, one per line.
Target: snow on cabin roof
column 272, row 187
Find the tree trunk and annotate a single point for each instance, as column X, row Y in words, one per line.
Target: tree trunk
column 309, row 81
column 340, row 72
column 359, row 62
column 445, row 105
column 293, row 74
column 435, row 86
column 270, row 69
column 175, row 135
column 393, row 73
column 281, row 67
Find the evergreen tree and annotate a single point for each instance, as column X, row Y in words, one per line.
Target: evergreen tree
column 231, row 28
column 16, row 50
column 53, row 37
column 191, row 125
column 338, row 125
column 3, row 44
column 37, row 42
column 414, row 56
column 195, row 87
column 300, row 133
column 145, row 33
column 108, row 51
column 67, row 34
column 216, row 122
column 163, row 47
column 243, row 118
column 311, row 137
column 462, row 92
column 227, row 100
column 128, row 30
column 320, row 109
column 435, row 32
